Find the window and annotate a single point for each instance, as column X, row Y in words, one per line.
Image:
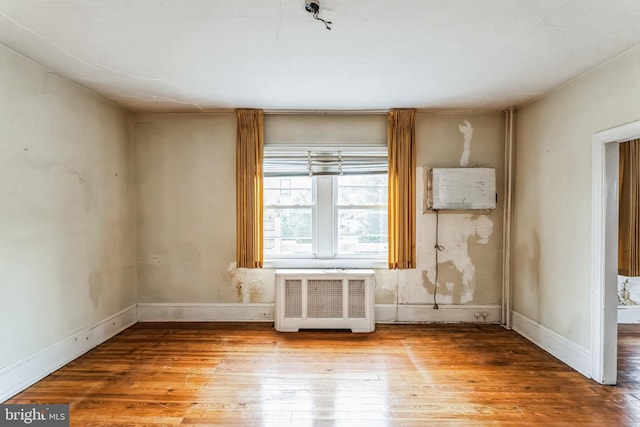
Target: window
column 332, row 211
column 361, row 212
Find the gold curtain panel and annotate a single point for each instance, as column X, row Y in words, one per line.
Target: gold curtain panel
column 629, row 211
column 249, row 154
column 402, row 189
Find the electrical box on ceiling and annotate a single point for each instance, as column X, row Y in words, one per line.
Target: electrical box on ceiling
column 460, row 189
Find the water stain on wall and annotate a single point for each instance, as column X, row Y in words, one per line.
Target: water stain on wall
column 95, row 287
column 528, row 256
column 427, row 283
column 455, row 265
column 528, row 263
column 253, row 285
column 256, row 294
column 386, row 286
column 450, row 284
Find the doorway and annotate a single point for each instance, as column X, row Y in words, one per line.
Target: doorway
column 604, row 288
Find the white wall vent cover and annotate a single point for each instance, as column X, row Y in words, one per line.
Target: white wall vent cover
column 325, row 299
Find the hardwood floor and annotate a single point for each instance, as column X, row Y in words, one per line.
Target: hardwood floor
column 207, row 374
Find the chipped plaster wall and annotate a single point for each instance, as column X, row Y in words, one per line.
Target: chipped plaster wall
column 553, row 200
column 628, row 290
column 185, row 181
column 66, row 219
column 470, row 264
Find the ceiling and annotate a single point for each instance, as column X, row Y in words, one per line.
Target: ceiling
column 201, row 55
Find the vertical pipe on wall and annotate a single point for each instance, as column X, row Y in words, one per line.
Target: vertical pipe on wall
column 509, row 141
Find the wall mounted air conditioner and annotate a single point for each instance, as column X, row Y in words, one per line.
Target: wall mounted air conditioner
column 325, row 299
column 460, row 189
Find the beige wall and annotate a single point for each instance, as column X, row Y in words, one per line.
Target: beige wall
column 552, row 219
column 185, row 186
column 185, row 182
column 66, row 251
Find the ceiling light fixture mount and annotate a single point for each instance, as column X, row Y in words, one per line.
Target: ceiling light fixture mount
column 313, row 6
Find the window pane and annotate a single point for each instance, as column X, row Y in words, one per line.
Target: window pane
column 362, row 215
column 362, row 231
column 289, row 191
column 362, row 190
column 287, row 231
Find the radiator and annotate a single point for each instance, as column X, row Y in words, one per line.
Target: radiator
column 325, row 299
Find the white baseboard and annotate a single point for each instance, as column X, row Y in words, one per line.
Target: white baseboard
column 628, row 314
column 414, row 313
column 385, row 313
column 20, row 375
column 207, row 312
column 574, row 355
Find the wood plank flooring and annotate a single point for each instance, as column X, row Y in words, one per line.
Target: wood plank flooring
column 210, row 374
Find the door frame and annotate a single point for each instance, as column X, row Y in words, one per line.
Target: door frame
column 604, row 254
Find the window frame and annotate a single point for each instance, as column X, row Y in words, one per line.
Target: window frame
column 325, row 250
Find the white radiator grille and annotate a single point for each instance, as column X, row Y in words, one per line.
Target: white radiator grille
column 356, row 299
column 324, row 298
column 327, row 299
column 293, row 298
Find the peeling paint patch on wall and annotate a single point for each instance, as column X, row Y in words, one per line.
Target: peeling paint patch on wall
column 456, row 270
column 386, row 286
column 253, row 285
column 467, row 131
column 457, row 231
column 628, row 290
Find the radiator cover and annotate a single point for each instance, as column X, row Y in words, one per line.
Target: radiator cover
column 325, row 299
